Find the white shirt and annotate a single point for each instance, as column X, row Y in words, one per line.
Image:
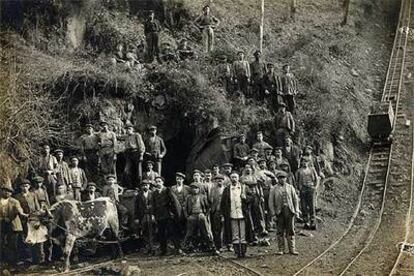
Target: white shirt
column 236, row 211
column 179, row 188
column 4, row 201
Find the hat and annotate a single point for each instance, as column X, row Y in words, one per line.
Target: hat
column 219, row 176
column 281, row 174
column 110, row 176
column 145, row 182
column 269, row 64
column 91, row 184
column 180, row 174
column 128, row 125
column 25, row 182
column 254, row 150
column 58, row 150
column 103, row 122
column 150, row 162
column 234, row 172
column 88, row 125
column 240, row 52
column 193, row 185
column 261, row 160
column 257, row 52
column 7, row 186
column 207, row 171
column 160, row 177
column 152, row 127
column 259, row 132
column 197, row 171
column 242, row 135
column 282, row 104
column 74, row 157
column 38, row 179
column 309, row 147
column 271, row 161
column 284, row 164
column 227, row 165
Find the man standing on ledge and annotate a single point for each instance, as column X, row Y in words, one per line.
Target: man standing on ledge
column 155, row 148
column 107, row 143
column 206, row 23
column 151, row 29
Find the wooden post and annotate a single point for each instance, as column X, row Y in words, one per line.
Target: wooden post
column 346, row 12
column 261, row 25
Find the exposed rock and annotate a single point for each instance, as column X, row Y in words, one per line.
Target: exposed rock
column 354, row 72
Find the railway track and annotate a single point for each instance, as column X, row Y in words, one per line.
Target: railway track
column 384, row 189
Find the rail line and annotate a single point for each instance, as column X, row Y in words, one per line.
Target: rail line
column 377, row 174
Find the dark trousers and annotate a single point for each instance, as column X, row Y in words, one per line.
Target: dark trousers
column 91, row 164
column 147, row 231
column 195, row 223
column 133, row 169
column 166, row 231
column 307, row 196
column 243, row 85
column 285, row 223
column 289, row 100
column 108, row 163
column 153, row 46
column 217, row 229
column 123, row 214
column 8, row 243
column 281, row 135
column 258, row 90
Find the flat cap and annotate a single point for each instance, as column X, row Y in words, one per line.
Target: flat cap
column 254, row 150
column 129, row 125
column 193, row 185
column 197, row 171
column 240, row 52
column 103, row 122
column 91, row 184
column 180, row 174
column 219, row 176
column 88, row 125
column 146, row 182
column 261, row 160
column 74, row 158
column 160, row 177
column 38, row 179
column 110, row 176
column 281, row 175
column 152, row 127
column 227, row 165
column 150, row 162
column 58, row 150
column 25, row 182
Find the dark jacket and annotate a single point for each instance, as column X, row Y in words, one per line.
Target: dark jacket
column 155, row 148
column 181, row 196
column 143, row 205
column 165, row 204
column 29, row 203
column 85, row 196
column 190, row 201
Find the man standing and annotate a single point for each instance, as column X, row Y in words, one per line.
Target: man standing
column 258, row 71
column 284, row 204
column 155, row 148
column 271, row 82
column 241, row 152
column 307, row 182
column 134, row 155
column 233, row 206
column 241, row 73
column 207, row 23
column 88, row 149
column 288, row 88
column 62, row 168
column 77, row 178
column 107, row 143
column 46, row 168
column 181, row 192
column 40, row 191
column 260, row 144
column 292, row 154
column 284, row 124
column 280, row 159
column 215, row 212
column 151, row 29
column 144, row 214
column 166, row 212
column 197, row 208
column 113, row 191
column 10, row 225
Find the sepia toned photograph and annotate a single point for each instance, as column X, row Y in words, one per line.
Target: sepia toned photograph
column 207, row 137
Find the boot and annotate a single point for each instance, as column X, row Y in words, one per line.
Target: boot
column 292, row 245
column 312, row 225
column 237, row 250
column 280, row 245
column 244, row 249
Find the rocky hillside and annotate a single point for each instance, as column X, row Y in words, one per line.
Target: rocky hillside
column 56, row 54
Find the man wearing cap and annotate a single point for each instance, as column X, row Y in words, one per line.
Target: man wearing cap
column 107, row 143
column 181, row 192
column 151, row 30
column 90, row 193
column 89, row 150
column 10, row 224
column 207, row 23
column 307, row 182
column 266, row 179
column 233, row 207
column 216, row 216
column 284, row 125
column 29, row 203
column 258, row 71
column 268, row 154
column 260, row 144
column 290, row 177
column 279, row 159
column 292, row 153
column 241, row 152
column 271, row 82
column 145, row 216
column 155, row 148
column 167, row 213
column 288, row 88
column 77, row 178
column 150, row 174
column 39, row 190
column 207, row 181
column 185, row 51
column 46, row 168
column 284, row 204
column 134, row 155
column 62, row 168
column 113, row 191
column 226, row 169
column 241, row 73
column 197, row 208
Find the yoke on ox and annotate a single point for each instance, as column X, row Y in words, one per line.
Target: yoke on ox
column 78, row 220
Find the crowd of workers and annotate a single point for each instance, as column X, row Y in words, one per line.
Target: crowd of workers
column 229, row 206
